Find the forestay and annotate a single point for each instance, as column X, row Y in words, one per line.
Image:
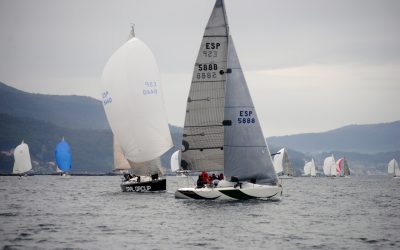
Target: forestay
column 203, row 131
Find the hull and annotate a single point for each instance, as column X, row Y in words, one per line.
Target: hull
column 158, row 185
column 245, row 191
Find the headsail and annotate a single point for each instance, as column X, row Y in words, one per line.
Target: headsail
column 245, row 151
column 282, row 163
column 175, row 161
column 133, row 102
column 203, row 132
column 22, row 159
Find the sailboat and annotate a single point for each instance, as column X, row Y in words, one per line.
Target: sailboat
column 393, row 168
column 342, row 168
column 176, row 166
column 309, row 168
column 221, row 130
column 63, row 157
column 22, row 160
column 283, row 167
column 133, row 103
column 329, row 166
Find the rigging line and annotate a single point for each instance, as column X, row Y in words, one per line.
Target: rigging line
column 204, row 126
column 241, row 146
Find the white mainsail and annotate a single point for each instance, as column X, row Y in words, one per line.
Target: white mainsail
column 133, row 102
column 22, row 163
column 329, row 166
column 393, row 168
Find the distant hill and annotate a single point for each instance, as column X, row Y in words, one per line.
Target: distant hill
column 75, row 112
column 373, row 138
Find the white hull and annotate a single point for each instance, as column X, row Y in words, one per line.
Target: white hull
column 229, row 191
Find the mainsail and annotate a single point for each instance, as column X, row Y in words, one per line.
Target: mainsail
column 133, row 102
column 203, row 133
column 346, row 169
column 22, row 159
column 63, row 156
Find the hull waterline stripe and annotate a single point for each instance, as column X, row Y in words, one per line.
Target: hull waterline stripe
column 237, row 194
column 195, row 196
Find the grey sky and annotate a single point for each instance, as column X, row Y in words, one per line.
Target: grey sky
column 311, row 65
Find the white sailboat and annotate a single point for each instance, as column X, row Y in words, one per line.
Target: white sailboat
column 175, row 165
column 393, row 168
column 22, row 159
column 133, row 102
column 329, row 166
column 283, row 167
column 222, row 131
column 309, row 168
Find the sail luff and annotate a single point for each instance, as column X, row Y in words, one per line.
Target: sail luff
column 203, row 131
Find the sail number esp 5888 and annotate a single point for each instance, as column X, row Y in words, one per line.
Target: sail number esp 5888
column 245, row 117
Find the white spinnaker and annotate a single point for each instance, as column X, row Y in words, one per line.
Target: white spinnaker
column 133, row 102
column 22, row 159
column 329, row 166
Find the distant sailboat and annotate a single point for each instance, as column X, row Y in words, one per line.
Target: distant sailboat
column 222, row 131
column 63, row 157
column 22, row 159
column 175, row 165
column 393, row 168
column 283, row 167
column 310, row 169
column 329, row 166
column 133, row 102
column 342, row 168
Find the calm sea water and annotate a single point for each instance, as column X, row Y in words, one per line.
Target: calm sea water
column 87, row 212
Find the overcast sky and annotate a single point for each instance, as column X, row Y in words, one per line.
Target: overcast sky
column 311, row 65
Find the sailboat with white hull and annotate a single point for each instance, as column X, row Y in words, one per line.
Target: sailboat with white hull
column 222, row 131
column 131, row 85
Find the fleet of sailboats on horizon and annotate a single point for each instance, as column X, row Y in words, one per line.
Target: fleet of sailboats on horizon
column 133, row 103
